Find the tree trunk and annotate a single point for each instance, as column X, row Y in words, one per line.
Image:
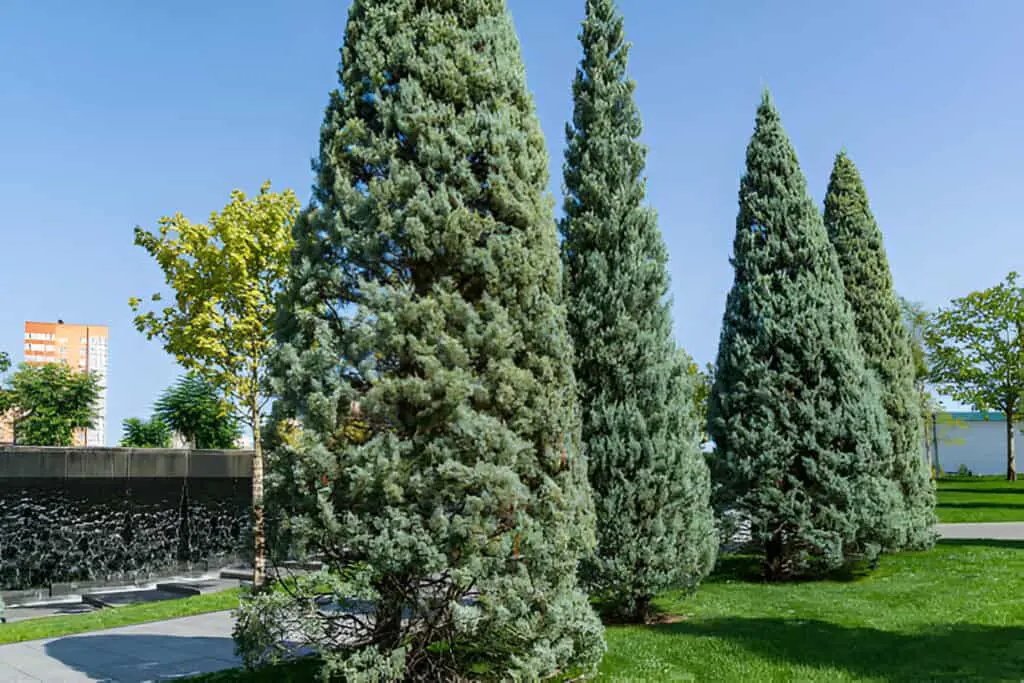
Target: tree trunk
column 928, row 453
column 259, row 562
column 1011, row 465
column 774, row 557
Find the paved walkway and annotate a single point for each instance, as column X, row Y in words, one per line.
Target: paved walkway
column 158, row 651
column 999, row 531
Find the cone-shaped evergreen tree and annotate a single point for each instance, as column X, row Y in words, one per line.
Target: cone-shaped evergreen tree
column 797, row 421
column 884, row 339
column 655, row 527
column 425, row 304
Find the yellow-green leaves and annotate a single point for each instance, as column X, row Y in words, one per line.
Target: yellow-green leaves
column 225, row 276
column 976, row 349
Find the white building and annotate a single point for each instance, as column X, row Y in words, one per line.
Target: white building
column 975, row 440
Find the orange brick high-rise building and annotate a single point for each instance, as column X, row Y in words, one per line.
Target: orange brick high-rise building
column 84, row 348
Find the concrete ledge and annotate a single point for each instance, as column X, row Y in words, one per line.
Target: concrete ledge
column 33, row 464
column 110, row 464
column 208, row 464
column 37, row 462
column 157, row 463
column 30, row 595
column 237, row 573
column 180, row 588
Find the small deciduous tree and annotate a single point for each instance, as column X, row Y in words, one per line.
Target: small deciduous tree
column 194, row 408
column 702, row 380
column 226, row 276
column 976, row 347
column 938, row 422
column 49, row 403
column 139, row 433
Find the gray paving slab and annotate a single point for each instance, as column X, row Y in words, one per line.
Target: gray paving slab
column 999, row 531
column 156, row 651
column 167, row 672
column 9, row 673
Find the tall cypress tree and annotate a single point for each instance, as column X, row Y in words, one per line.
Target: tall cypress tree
column 797, row 421
column 884, row 338
column 425, row 305
column 651, row 485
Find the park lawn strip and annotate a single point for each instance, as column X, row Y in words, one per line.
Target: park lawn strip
column 952, row 613
column 980, row 499
column 113, row 617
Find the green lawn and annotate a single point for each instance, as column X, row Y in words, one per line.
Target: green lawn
column 112, row 617
column 980, row 499
column 955, row 613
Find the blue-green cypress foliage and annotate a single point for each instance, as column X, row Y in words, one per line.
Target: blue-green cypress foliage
column 436, row 463
column 655, row 526
column 886, row 344
column 800, row 434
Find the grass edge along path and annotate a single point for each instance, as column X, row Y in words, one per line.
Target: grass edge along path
column 980, row 499
column 952, row 613
column 113, row 617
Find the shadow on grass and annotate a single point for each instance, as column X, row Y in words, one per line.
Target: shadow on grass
column 981, row 491
column 1001, row 505
column 943, row 652
column 749, row 569
column 1001, row 544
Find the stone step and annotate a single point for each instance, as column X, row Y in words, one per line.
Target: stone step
column 130, row 597
column 237, row 573
column 201, row 587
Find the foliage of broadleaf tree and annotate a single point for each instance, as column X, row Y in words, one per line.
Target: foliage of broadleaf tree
column 702, row 380
column 800, row 433
column 655, row 526
column 139, row 433
column 226, row 276
column 49, row 403
column 976, row 347
column 883, row 337
column 425, row 299
column 194, row 408
column 938, row 422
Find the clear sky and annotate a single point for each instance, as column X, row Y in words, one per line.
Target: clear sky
column 115, row 113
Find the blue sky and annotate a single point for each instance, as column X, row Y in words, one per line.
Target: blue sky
column 119, row 112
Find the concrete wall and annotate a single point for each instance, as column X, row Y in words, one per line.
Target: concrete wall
column 33, row 462
column 117, row 514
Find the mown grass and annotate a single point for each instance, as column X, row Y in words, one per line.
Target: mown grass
column 954, row 613
column 980, row 499
column 112, row 617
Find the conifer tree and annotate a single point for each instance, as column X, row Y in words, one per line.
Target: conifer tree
column 425, row 303
column 885, row 341
column 797, row 421
column 651, row 486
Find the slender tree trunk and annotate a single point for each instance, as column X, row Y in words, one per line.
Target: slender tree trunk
column 1011, row 464
column 774, row 557
column 643, row 611
column 259, row 562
